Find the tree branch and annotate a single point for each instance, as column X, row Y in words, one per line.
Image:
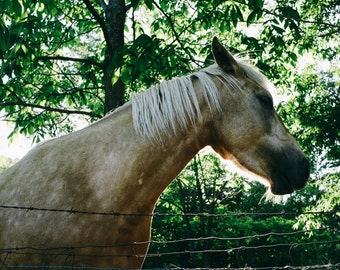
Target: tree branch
column 287, row 17
column 50, row 109
column 320, row 23
column 172, row 25
column 64, row 58
column 100, row 21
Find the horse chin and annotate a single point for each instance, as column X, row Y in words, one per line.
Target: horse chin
column 281, row 190
column 286, row 185
column 282, row 186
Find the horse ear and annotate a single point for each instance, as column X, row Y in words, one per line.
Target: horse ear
column 223, row 58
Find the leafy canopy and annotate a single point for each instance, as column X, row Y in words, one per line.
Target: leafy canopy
column 62, row 58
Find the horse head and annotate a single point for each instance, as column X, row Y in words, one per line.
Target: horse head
column 250, row 132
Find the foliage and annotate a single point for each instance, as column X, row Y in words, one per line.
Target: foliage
column 313, row 115
column 5, row 163
column 43, row 81
column 59, row 58
column 229, row 221
column 327, row 198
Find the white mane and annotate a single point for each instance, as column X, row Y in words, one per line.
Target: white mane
column 165, row 107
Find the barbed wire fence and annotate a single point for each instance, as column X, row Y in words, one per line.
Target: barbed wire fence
column 333, row 243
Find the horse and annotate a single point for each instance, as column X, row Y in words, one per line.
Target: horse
column 87, row 198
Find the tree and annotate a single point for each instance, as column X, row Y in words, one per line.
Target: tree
column 313, row 115
column 62, row 58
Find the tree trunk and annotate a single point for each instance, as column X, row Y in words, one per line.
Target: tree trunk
column 115, row 12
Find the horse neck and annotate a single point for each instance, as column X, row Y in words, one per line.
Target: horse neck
column 146, row 168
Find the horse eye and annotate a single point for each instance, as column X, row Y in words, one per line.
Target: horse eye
column 266, row 101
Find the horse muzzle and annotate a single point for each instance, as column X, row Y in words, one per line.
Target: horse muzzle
column 290, row 176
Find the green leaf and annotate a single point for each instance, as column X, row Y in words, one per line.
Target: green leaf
column 256, row 3
column 293, row 26
column 134, row 3
column 252, row 16
column 24, row 48
column 239, row 13
column 18, row 7
column 16, row 29
column 54, row 11
column 224, row 26
column 125, row 74
column 149, row 4
column 141, row 63
column 144, row 39
column 259, row 3
column 4, row 38
column 293, row 56
column 279, row 30
column 234, row 16
column 290, row 12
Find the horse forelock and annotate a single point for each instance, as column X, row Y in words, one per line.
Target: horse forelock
column 171, row 105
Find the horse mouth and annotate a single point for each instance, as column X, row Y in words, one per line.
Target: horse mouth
column 284, row 186
column 288, row 179
column 281, row 190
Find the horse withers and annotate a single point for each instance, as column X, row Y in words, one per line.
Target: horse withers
column 122, row 163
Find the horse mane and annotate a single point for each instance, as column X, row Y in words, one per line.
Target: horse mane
column 173, row 104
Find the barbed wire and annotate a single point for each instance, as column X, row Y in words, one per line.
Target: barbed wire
column 243, row 248
column 240, row 237
column 70, row 250
column 65, row 250
column 287, row 267
column 156, row 214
